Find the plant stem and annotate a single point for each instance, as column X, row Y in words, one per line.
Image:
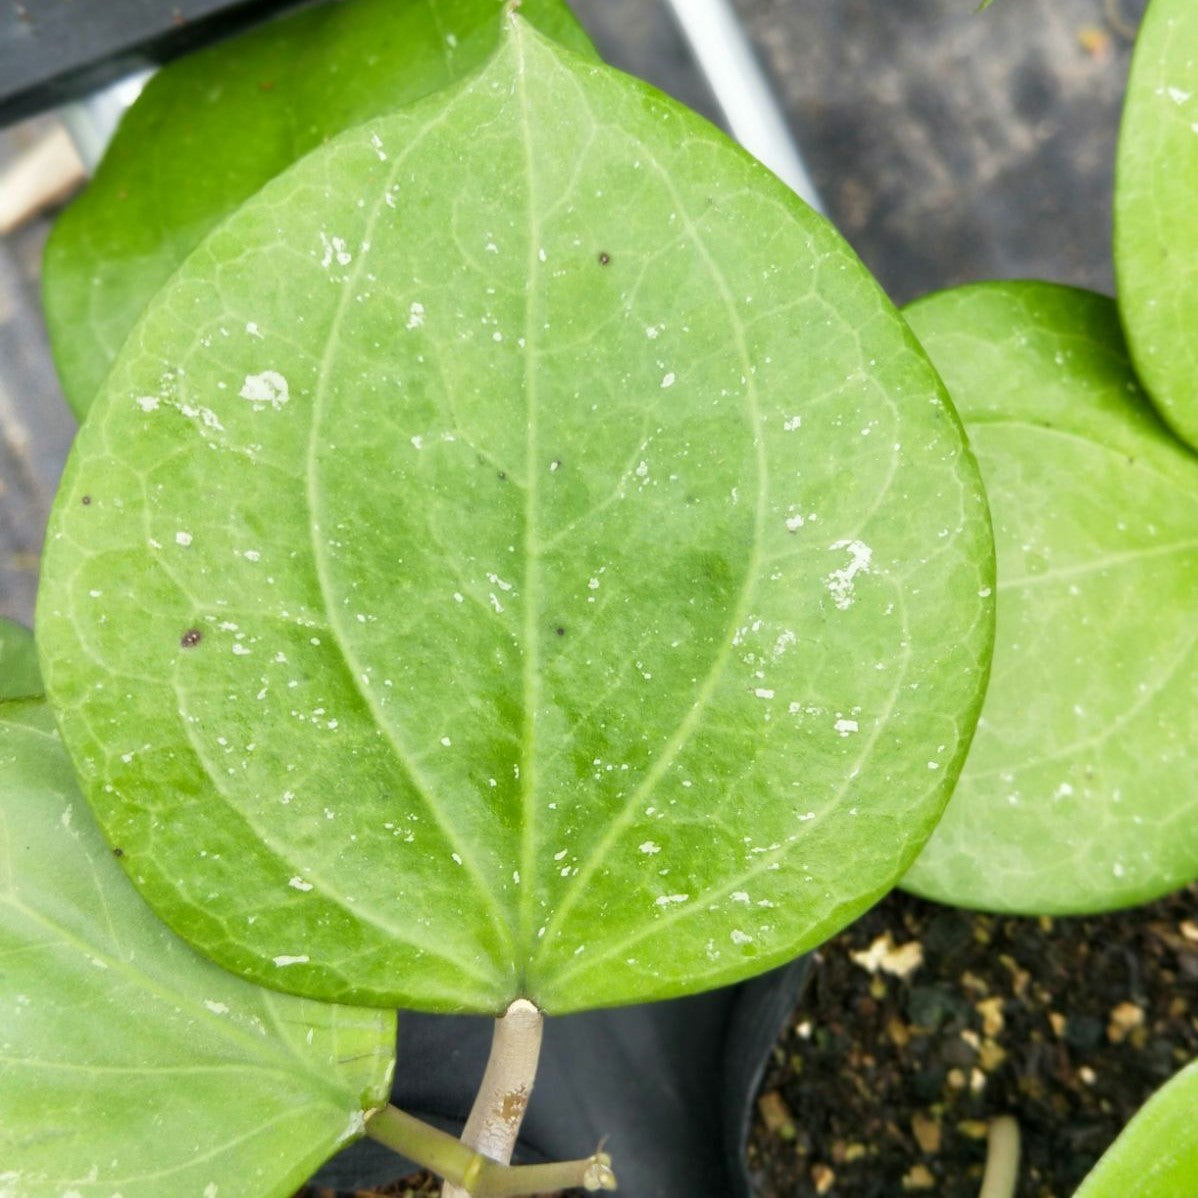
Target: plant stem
column 473, row 1172
column 494, row 1123
column 1002, row 1159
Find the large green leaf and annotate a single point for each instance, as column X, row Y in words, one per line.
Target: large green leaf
column 130, row 1065
column 209, row 130
column 1156, row 1156
column 522, row 552
column 1156, row 199
column 19, row 677
column 1078, row 794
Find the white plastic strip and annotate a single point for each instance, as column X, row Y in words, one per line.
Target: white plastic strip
column 750, row 108
column 92, row 122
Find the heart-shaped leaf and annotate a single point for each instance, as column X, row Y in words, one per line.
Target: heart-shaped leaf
column 1078, row 794
column 19, row 677
column 1156, row 1155
column 210, row 129
column 521, row 552
column 1156, row 196
column 131, row 1065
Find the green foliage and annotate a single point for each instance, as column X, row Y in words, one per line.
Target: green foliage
column 1078, row 791
column 520, row 552
column 211, row 129
column 19, row 677
column 131, row 1065
column 1156, row 194
column 1156, row 1156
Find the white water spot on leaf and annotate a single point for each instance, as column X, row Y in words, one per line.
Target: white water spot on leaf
column 786, row 638
column 210, row 1190
column 739, row 937
column 269, row 387
column 148, row 403
column 283, row 961
column 793, row 423
column 298, row 883
column 1177, row 95
column 668, row 380
column 377, row 142
column 650, row 848
column 666, row 899
column 334, row 249
column 217, row 1008
column 415, row 314
column 841, row 583
column 845, row 727
column 183, row 538
column 252, row 328
column 206, row 416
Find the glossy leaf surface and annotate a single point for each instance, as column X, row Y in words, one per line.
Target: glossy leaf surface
column 210, row 129
column 1156, row 1155
column 19, row 677
column 1156, row 197
column 1078, row 794
column 131, row 1065
column 561, row 558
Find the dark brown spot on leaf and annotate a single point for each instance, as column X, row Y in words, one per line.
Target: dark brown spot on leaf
column 118, row 851
column 86, row 500
column 560, row 630
column 191, row 638
column 604, row 258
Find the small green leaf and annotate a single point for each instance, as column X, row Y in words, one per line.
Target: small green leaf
column 1156, row 197
column 1156, row 1155
column 1078, row 794
column 19, row 677
column 527, row 555
column 130, row 1064
column 210, row 129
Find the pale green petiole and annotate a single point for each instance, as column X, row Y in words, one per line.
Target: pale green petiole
column 476, row 1174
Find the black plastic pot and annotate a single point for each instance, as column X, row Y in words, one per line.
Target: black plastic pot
column 669, row 1087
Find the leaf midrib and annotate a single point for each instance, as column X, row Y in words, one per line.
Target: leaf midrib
column 622, row 819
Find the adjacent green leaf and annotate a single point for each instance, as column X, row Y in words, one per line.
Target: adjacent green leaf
column 1078, row 794
column 523, row 553
column 1156, row 198
column 130, row 1065
column 19, row 677
column 209, row 130
column 1156, row 1156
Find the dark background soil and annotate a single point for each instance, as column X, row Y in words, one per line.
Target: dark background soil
column 883, row 1085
